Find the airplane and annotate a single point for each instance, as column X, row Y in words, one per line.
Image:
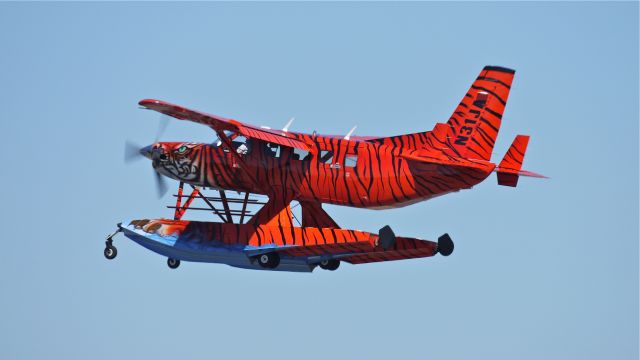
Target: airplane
column 284, row 166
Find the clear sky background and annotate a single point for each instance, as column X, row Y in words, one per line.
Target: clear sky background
column 548, row 270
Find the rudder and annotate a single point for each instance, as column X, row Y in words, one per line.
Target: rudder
column 476, row 121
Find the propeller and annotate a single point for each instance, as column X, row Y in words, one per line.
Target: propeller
column 162, row 126
column 161, row 184
column 132, row 152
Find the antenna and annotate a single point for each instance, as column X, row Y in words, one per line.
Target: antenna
column 346, row 137
column 286, row 127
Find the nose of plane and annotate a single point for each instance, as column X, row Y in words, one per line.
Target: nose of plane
column 147, row 151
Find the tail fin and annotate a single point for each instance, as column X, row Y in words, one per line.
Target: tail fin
column 473, row 127
column 509, row 169
column 476, row 121
column 514, row 157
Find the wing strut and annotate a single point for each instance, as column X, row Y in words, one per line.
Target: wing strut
column 243, row 165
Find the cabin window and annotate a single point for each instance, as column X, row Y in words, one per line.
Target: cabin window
column 351, row 160
column 272, row 150
column 326, row 156
column 302, row 155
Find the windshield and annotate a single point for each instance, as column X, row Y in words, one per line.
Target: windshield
column 230, row 134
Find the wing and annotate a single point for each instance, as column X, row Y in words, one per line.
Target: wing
column 219, row 124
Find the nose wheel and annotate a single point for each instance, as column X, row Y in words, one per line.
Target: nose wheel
column 110, row 251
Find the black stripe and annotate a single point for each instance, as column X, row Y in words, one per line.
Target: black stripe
column 498, row 115
column 494, row 80
column 488, row 123
column 499, row 69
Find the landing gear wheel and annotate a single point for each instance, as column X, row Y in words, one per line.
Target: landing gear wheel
column 173, row 263
column 330, row 265
column 269, row 260
column 110, row 252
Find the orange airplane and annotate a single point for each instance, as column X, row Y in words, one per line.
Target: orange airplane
column 311, row 169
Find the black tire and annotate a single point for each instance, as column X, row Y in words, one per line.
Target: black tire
column 110, row 252
column 173, row 263
column 330, row 265
column 269, row 260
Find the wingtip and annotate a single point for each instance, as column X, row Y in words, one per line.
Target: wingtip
column 146, row 102
column 507, row 170
column 499, row 69
column 533, row 174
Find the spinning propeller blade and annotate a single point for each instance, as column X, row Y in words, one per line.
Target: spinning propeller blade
column 131, row 152
column 161, row 184
column 162, row 126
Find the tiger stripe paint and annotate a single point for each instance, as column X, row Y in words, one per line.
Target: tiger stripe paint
column 389, row 172
column 515, row 155
column 355, row 171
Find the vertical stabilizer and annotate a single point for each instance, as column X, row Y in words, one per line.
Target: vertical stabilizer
column 473, row 127
column 476, row 121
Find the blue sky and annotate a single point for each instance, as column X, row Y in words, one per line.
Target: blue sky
column 546, row 270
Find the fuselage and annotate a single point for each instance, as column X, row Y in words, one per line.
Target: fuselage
column 342, row 172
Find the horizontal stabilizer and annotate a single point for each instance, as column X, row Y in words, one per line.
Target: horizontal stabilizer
column 509, row 169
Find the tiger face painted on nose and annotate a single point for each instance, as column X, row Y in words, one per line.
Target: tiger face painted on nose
column 178, row 161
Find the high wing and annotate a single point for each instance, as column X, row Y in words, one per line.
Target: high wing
column 220, row 124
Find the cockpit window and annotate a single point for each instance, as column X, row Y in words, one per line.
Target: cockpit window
column 241, row 144
column 230, row 134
